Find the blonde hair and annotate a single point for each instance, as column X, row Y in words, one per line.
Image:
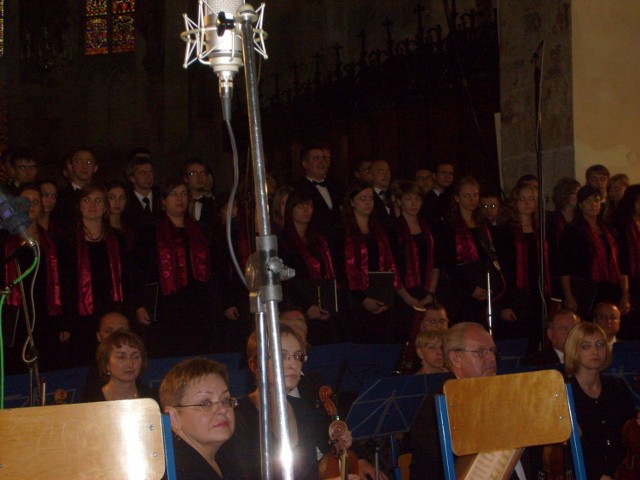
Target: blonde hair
column 429, row 336
column 576, row 336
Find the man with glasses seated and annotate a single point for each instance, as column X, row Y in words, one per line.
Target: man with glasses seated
column 469, row 352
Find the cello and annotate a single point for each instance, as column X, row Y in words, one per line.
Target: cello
column 339, row 461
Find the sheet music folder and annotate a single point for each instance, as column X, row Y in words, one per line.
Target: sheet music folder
column 323, row 293
column 390, row 405
column 381, row 287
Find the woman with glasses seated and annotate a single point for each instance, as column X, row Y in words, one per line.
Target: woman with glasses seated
column 242, row 453
column 589, row 271
column 428, row 346
column 195, row 394
column 93, row 273
column 603, row 402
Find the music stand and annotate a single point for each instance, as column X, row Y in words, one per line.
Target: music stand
column 389, row 406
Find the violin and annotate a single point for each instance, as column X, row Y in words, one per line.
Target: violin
column 629, row 469
column 340, row 461
column 555, row 462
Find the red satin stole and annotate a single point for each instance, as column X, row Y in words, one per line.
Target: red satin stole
column 357, row 260
column 172, row 255
column 47, row 247
column 317, row 268
column 604, row 268
column 522, row 261
column 466, row 250
column 412, row 258
column 85, row 291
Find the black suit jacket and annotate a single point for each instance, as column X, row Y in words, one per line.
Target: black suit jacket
column 134, row 215
column 326, row 219
column 64, row 213
column 546, row 356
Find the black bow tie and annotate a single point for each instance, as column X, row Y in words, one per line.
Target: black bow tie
column 382, row 193
column 321, row 184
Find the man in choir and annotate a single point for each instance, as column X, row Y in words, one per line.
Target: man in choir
column 598, row 177
column 326, row 194
column 490, row 208
column 195, row 174
column 380, row 181
column 437, row 203
column 424, row 178
column 362, row 170
column 25, row 167
column 607, row 316
column 558, row 327
column 80, row 166
column 469, row 352
column 144, row 205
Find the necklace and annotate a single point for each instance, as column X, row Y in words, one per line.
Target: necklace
column 91, row 238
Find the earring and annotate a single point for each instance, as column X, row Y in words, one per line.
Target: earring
column 109, row 372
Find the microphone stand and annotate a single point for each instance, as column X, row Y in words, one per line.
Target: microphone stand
column 264, row 269
column 542, row 237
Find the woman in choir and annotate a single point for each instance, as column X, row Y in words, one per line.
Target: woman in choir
column 174, row 258
column 616, row 187
column 603, row 402
column 307, row 252
column 117, row 196
column 517, row 243
column 195, row 394
column 589, row 259
column 51, row 332
column 627, row 226
column 414, row 252
column 49, row 192
column 565, row 200
column 366, row 249
column 122, row 359
column 93, row 270
column 467, row 254
column 277, row 210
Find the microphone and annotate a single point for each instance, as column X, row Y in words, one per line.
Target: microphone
column 224, row 47
column 14, row 217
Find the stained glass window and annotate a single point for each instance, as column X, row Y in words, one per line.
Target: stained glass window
column 1, row 28
column 109, row 26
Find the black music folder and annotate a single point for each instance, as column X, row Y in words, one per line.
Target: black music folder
column 381, row 287
column 323, row 293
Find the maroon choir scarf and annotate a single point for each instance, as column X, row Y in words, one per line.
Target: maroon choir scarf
column 633, row 240
column 318, row 268
column 407, row 241
column 357, row 260
column 522, row 262
column 466, row 251
column 47, row 247
column 85, row 292
column 604, row 268
column 172, row 253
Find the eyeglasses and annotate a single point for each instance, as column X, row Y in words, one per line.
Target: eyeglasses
column 207, row 405
column 298, row 356
column 198, row 174
column 481, row 352
column 490, row 205
column 83, row 162
column 24, row 168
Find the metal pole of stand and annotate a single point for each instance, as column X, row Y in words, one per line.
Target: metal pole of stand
column 263, row 270
column 489, row 307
